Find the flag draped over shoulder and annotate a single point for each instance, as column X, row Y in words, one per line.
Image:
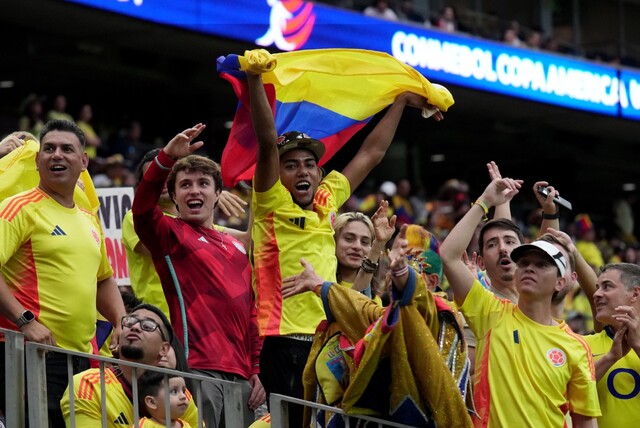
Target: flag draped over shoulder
column 329, row 94
column 18, row 173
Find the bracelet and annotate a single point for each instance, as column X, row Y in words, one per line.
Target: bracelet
column 401, row 271
column 484, row 207
column 551, row 216
column 368, row 266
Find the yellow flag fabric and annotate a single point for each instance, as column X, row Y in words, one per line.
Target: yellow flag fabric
column 18, row 173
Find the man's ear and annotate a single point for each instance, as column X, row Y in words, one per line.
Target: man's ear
column 635, row 294
column 164, row 350
column 150, row 402
column 561, row 283
column 85, row 161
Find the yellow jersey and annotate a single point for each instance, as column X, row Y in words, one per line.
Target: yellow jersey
column 88, row 401
column 526, row 374
column 51, row 258
column 145, row 281
column 282, row 234
column 619, row 388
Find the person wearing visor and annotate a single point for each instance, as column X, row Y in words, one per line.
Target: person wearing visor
column 530, row 368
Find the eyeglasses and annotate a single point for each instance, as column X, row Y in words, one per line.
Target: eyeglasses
column 146, row 324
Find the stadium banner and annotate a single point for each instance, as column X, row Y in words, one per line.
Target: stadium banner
column 458, row 59
column 114, row 204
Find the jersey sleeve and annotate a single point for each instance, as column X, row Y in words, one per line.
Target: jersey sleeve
column 14, row 229
column 482, row 309
column 264, row 203
column 150, row 223
column 105, row 270
column 582, row 391
column 129, row 237
column 338, row 185
column 86, row 403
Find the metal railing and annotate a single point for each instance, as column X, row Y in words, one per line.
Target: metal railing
column 279, row 405
column 16, row 350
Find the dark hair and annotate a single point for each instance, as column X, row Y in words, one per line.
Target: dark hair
column 168, row 330
column 629, row 273
column 149, row 384
column 502, row 224
column 129, row 299
column 194, row 163
column 63, row 126
column 148, row 157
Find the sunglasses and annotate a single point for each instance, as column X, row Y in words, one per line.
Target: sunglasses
column 146, row 324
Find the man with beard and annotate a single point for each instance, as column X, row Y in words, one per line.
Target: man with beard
column 146, row 338
column 294, row 208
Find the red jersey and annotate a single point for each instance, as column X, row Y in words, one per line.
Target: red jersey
column 206, row 278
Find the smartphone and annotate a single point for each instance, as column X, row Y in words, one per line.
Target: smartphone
column 558, row 199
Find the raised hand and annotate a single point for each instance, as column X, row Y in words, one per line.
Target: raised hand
column 231, row 204
column 547, row 204
column 494, row 171
column 414, row 100
column 500, row 191
column 181, row 145
column 563, row 238
column 471, row 263
column 383, row 227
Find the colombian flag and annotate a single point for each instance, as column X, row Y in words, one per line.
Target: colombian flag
column 329, row 94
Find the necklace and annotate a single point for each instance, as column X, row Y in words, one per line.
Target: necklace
column 207, row 232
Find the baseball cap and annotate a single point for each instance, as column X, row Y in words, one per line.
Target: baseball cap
column 299, row 140
column 552, row 252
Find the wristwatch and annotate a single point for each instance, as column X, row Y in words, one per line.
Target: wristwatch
column 25, row 318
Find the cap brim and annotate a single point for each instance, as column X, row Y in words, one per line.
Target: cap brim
column 314, row 146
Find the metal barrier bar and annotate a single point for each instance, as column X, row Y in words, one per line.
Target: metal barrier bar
column 14, row 378
column 37, row 386
column 279, row 412
column 37, row 391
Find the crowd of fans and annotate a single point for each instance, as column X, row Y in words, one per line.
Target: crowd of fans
column 356, row 283
column 451, row 20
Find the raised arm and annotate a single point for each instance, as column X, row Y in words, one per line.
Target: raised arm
column 587, row 278
column 460, row 278
column 550, row 211
column 267, row 164
column 377, row 142
column 502, row 210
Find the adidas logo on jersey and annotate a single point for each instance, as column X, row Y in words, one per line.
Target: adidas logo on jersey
column 203, row 239
column 121, row 420
column 57, row 231
column 299, row 221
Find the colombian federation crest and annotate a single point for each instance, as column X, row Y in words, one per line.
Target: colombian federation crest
column 556, row 357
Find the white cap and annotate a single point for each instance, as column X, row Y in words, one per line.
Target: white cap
column 555, row 255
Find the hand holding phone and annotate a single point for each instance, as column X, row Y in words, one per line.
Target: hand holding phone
column 558, row 199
